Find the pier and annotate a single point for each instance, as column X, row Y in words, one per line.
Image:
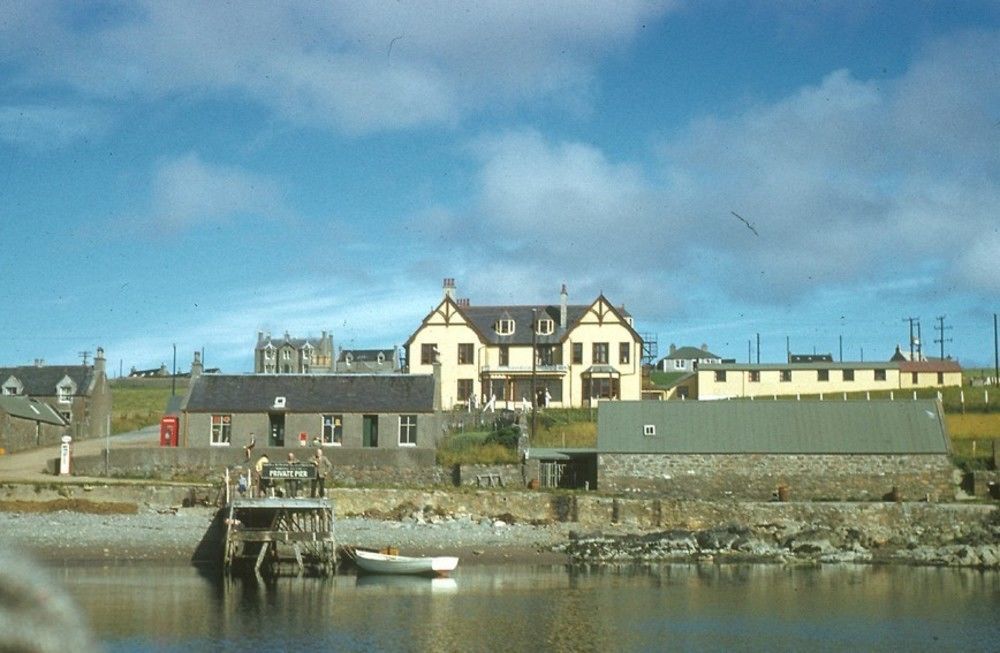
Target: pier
column 274, row 535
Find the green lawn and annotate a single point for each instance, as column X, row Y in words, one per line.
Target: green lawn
column 140, row 402
column 665, row 379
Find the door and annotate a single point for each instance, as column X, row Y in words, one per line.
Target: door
column 369, row 433
column 277, row 435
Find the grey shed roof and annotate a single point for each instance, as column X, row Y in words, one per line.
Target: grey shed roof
column 313, row 393
column 772, row 427
column 28, row 408
column 41, row 380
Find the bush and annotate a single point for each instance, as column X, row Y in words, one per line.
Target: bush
column 506, row 436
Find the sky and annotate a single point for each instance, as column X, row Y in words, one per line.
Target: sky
column 186, row 174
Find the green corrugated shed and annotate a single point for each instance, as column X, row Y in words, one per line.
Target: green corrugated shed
column 28, row 408
column 772, row 427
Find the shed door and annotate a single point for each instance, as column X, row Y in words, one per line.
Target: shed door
column 277, row 438
column 369, row 433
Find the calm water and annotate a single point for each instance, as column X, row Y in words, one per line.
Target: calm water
column 522, row 608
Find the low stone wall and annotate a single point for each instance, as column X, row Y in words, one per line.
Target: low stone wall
column 406, row 466
column 756, row 477
column 509, row 476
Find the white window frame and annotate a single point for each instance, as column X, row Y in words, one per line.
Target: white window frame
column 221, row 434
column 680, row 364
column 545, row 327
column 328, row 430
column 649, row 430
column 269, row 353
column 410, row 425
column 505, row 327
column 65, row 393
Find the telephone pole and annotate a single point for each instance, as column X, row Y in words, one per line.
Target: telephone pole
column 941, row 328
column 85, row 355
column 914, row 339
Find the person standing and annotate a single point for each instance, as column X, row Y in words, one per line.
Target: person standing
column 292, row 484
column 323, row 468
column 262, row 483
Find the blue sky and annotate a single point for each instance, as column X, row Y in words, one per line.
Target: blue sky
column 190, row 173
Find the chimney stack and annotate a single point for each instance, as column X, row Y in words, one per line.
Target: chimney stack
column 99, row 361
column 196, row 366
column 449, row 288
column 563, row 299
column 673, row 348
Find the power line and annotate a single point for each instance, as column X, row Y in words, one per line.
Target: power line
column 941, row 328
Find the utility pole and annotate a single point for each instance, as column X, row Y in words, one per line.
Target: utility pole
column 749, row 351
column 941, row 328
column 912, row 321
column 996, row 353
column 84, row 355
column 173, row 377
column 840, row 339
column 920, row 343
column 534, row 361
column 758, row 348
column 788, row 349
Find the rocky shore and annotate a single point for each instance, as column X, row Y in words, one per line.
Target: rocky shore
column 788, row 541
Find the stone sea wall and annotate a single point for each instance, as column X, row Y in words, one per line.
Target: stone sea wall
column 756, row 477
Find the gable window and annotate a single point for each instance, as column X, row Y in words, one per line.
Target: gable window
column 333, row 430
column 269, row 353
column 504, row 327
column 720, row 375
column 754, row 376
column 848, row 375
column 65, row 393
column 822, row 375
column 786, row 376
column 545, row 327
column 577, row 353
column 222, row 430
column 600, row 353
column 504, row 355
column 427, row 352
column 10, row 390
column 624, row 352
column 306, row 354
column 407, row 430
column 286, row 354
column 465, row 353
column 880, row 375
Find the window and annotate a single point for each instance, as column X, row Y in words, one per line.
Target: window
column 679, row 364
column 940, row 378
column 600, row 388
column 914, row 378
column 306, row 354
column 65, row 393
column 822, row 375
column 786, row 376
column 549, row 355
column 754, row 376
column 465, row 353
column 407, row 430
column 67, row 416
column 880, row 375
column 222, row 430
column 269, row 353
column 848, row 375
column 600, row 353
column 624, row 352
column 545, row 327
column 720, row 376
column 333, row 430
column 577, row 353
column 504, row 327
column 269, row 368
column 649, row 429
column 286, row 354
column 10, row 389
column 465, row 390
column 504, row 355
column 427, row 353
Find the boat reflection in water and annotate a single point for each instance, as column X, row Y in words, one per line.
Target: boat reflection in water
column 409, row 584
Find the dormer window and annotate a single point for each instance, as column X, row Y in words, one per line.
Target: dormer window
column 269, row 353
column 545, row 327
column 504, row 327
column 380, row 358
column 65, row 393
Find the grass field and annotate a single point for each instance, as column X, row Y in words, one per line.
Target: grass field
column 140, row 402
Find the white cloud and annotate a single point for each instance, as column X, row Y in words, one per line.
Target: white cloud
column 187, row 191
column 356, row 66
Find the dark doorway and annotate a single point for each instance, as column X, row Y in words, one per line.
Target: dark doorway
column 277, row 435
column 369, row 433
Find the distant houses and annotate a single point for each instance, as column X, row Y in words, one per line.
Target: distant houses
column 686, row 359
column 79, row 394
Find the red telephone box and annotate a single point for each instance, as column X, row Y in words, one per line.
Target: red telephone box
column 168, row 431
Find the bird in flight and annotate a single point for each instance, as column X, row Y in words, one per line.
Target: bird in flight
column 744, row 221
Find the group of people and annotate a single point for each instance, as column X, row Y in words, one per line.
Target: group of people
column 266, row 487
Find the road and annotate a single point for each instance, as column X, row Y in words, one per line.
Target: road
column 29, row 466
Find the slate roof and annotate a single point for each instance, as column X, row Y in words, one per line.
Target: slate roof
column 484, row 317
column 41, row 380
column 313, row 393
column 366, row 355
column 773, row 427
column 28, row 408
column 929, row 366
column 690, row 353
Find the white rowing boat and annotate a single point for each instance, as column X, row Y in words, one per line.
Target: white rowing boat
column 383, row 563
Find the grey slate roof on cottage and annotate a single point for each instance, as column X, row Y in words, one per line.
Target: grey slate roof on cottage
column 28, row 408
column 366, row 355
column 313, row 393
column 772, row 427
column 690, row 353
column 41, row 380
